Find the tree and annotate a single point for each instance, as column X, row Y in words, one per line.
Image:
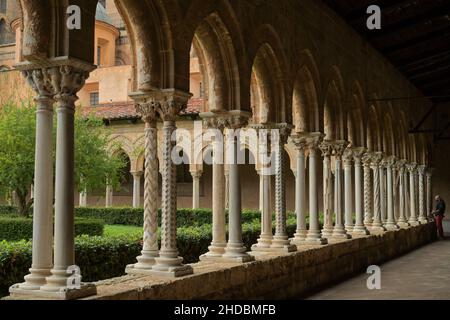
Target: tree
column 94, row 165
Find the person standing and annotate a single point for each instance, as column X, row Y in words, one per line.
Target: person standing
column 439, row 215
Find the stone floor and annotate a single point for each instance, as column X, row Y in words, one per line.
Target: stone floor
column 423, row 274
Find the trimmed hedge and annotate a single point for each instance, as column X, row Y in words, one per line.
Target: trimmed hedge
column 17, row 228
column 102, row 258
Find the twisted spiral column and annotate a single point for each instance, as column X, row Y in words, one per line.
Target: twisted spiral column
column 402, row 220
column 368, row 195
column 412, row 169
column 327, row 149
column 377, row 225
column 422, row 214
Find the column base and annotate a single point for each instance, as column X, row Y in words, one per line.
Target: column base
column 284, row 249
column 85, row 290
column 377, row 227
column 340, row 233
column 360, row 231
column 216, row 251
column 391, row 226
column 236, row 252
column 282, row 244
column 169, row 266
column 403, row 224
column 423, row 221
column 327, row 232
column 349, row 228
column 414, row 223
column 146, row 261
column 315, row 242
column 35, row 279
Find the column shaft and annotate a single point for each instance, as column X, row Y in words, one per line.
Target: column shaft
column 390, row 223
column 359, row 228
column 136, row 189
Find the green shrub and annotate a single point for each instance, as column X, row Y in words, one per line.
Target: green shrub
column 106, row 257
column 18, row 228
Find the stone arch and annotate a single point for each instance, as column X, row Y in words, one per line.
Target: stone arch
column 213, row 44
column 269, row 73
column 388, row 134
column 305, row 105
column 333, row 117
column 120, row 142
column 355, row 117
column 373, row 130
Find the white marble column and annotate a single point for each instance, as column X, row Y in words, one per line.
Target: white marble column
column 314, row 236
column 377, row 224
column 383, row 191
column 390, row 221
column 359, row 228
column 412, row 169
column 227, row 187
column 169, row 263
column 72, row 80
column 109, row 196
column 339, row 231
column 137, row 176
column 219, row 241
column 266, row 237
column 422, row 202
column 196, row 176
column 280, row 240
column 147, row 108
column 261, row 190
column 42, row 250
column 83, row 199
column 348, row 190
column 368, row 195
column 235, row 249
column 429, row 174
column 402, row 220
column 300, row 144
column 327, row 150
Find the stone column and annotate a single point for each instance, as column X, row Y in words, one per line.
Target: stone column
column 235, row 250
column 169, row 263
column 402, row 220
column 41, row 81
column 196, row 175
column 280, row 240
column 136, row 188
column 71, row 81
column 261, row 190
column 147, row 108
column 422, row 214
column 83, row 199
column 109, row 196
column 390, row 222
column 383, row 191
column 300, row 189
column 359, row 228
column 429, row 174
column 368, row 195
column 327, row 150
column 377, row 224
column 412, row 169
column 339, row 231
column 314, row 236
column 219, row 241
column 348, row 190
column 227, row 187
column 266, row 237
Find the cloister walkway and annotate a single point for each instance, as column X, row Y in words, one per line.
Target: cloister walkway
column 422, row 274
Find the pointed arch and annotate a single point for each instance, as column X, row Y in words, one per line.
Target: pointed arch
column 333, row 115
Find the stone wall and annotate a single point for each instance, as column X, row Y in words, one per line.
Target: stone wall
column 273, row 277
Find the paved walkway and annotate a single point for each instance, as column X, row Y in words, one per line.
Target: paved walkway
column 423, row 274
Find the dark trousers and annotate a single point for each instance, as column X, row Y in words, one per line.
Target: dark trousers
column 440, row 229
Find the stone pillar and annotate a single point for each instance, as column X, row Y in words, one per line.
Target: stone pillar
column 219, row 241
column 314, row 236
column 412, row 169
column 348, row 190
column 359, row 228
column 43, row 181
column 83, row 199
column 71, row 81
column 390, row 222
column 169, row 263
column 377, row 225
column 136, row 188
column 429, row 174
column 368, row 195
column 280, row 240
column 261, row 190
column 147, row 108
column 422, row 212
column 383, row 191
column 109, row 196
column 266, row 237
column 235, row 249
column 327, row 150
column 227, row 188
column 196, row 175
column 402, row 220
column 339, row 231
column 300, row 189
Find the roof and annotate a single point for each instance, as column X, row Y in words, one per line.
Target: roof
column 127, row 110
column 102, row 15
column 415, row 38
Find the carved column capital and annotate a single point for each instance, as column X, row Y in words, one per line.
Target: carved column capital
column 422, row 169
column 327, row 148
column 367, row 159
column 376, row 158
column 235, row 119
column 314, row 141
column 400, row 166
column 411, row 167
column 348, row 156
column 358, row 154
column 146, row 106
column 299, row 141
column 429, row 172
column 389, row 162
column 339, row 148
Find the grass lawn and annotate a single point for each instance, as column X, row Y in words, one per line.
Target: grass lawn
column 120, row 230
